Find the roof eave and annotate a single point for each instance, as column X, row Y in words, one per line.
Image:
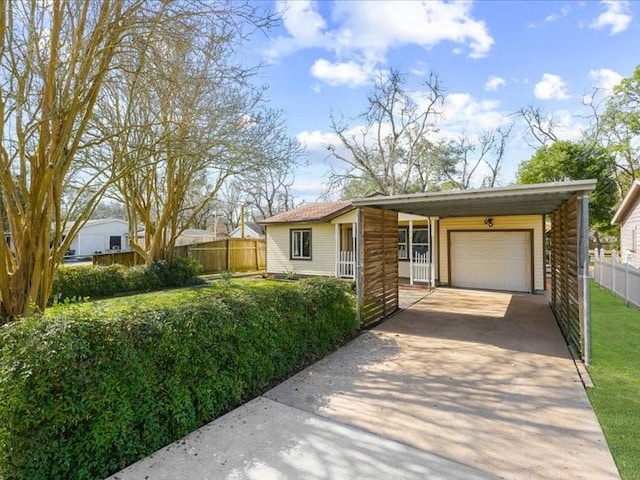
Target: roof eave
column 627, row 203
column 557, row 187
column 324, row 219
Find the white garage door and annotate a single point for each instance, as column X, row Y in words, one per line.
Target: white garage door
column 492, row 260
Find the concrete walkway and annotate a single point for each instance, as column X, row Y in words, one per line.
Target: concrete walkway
column 464, row 384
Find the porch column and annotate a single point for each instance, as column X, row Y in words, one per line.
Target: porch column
column 435, row 253
column 410, row 251
column 337, row 260
column 354, row 242
column 430, row 245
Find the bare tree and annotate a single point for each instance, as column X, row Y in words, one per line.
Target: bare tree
column 496, row 142
column 267, row 190
column 187, row 121
column 384, row 152
column 540, row 126
column 55, row 57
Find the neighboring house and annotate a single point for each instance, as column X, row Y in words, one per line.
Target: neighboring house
column 251, row 230
column 628, row 217
column 99, row 236
column 502, row 252
column 188, row 237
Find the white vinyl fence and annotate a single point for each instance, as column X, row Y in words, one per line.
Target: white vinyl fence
column 622, row 279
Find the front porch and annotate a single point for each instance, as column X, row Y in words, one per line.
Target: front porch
column 417, row 250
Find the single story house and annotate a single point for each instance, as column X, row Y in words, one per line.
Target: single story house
column 99, row 236
column 628, row 217
column 499, row 253
column 251, row 230
column 492, row 238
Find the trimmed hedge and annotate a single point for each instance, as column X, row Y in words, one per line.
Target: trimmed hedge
column 82, row 395
column 77, row 283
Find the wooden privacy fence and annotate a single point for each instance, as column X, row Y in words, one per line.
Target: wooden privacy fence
column 128, row 259
column 231, row 254
column 622, row 279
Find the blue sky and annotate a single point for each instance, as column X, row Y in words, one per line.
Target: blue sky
column 494, row 58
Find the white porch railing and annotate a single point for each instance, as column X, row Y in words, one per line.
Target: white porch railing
column 346, row 264
column 622, row 279
column 421, row 268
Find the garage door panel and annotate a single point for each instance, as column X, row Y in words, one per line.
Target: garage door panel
column 496, row 260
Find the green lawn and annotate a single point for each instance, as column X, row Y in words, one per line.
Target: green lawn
column 160, row 298
column 615, row 371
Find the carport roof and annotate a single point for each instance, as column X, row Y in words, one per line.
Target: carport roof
column 542, row 198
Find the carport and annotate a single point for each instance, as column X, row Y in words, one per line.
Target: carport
column 565, row 203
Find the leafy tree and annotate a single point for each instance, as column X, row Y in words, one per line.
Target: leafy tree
column 563, row 160
column 619, row 129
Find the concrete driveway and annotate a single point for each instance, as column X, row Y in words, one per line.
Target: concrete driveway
column 464, row 384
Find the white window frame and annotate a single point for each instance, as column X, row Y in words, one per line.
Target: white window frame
column 296, row 237
column 404, row 231
column 424, row 244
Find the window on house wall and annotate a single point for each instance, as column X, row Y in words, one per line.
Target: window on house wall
column 115, row 242
column 420, row 244
column 634, row 239
column 301, row 244
column 403, row 248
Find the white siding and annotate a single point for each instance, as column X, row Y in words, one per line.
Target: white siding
column 626, row 234
column 405, row 217
column 511, row 222
column 323, row 250
column 94, row 238
column 349, row 217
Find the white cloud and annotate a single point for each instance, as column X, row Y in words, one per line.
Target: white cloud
column 382, row 25
column 304, row 24
column 605, row 79
column 317, row 140
column 564, row 11
column 307, row 188
column 345, row 73
column 552, row 17
column 566, row 125
column 494, row 82
column 616, row 16
column 551, row 87
column 363, row 32
column 465, row 114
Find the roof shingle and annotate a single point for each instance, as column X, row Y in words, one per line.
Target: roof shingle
column 312, row 212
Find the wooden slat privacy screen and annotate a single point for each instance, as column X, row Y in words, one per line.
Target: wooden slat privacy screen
column 565, row 286
column 378, row 260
